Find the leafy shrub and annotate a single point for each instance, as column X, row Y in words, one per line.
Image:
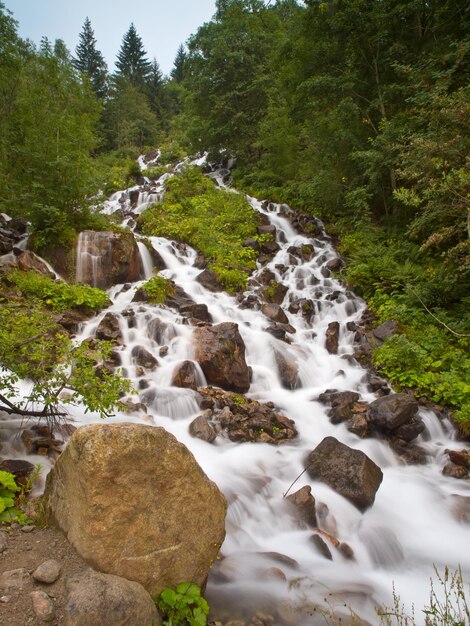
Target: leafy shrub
column 183, row 605
column 158, row 288
column 8, row 492
column 214, row 221
column 56, row 295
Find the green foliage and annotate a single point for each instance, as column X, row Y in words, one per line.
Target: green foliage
column 214, row 221
column 158, row 289
column 57, row 295
column 8, row 493
column 33, row 346
column 183, row 606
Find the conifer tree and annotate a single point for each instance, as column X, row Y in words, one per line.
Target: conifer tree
column 177, row 73
column 155, row 88
column 132, row 62
column 90, row 61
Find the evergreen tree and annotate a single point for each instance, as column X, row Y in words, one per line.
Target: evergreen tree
column 132, row 62
column 155, row 89
column 177, row 73
column 90, row 61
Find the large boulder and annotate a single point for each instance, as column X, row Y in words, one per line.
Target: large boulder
column 133, row 502
column 28, row 261
column 347, row 471
column 220, row 351
column 105, row 258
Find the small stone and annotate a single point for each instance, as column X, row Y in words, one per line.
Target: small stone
column 28, row 529
column 321, row 546
column 5, row 599
column 42, row 606
column 346, row 551
column 48, row 572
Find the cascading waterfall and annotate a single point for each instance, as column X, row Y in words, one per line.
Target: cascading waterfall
column 93, row 248
column 270, row 563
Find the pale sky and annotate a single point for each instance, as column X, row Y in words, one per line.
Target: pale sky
column 162, row 24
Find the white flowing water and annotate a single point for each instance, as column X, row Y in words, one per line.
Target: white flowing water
column 414, row 523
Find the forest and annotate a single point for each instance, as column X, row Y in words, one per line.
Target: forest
column 355, row 111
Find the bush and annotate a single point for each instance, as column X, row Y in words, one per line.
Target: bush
column 158, row 289
column 57, row 295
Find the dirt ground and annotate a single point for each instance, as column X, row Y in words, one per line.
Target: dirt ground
column 28, row 550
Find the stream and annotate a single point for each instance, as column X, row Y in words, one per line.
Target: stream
column 413, row 525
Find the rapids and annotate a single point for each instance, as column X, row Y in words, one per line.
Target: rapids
column 412, row 525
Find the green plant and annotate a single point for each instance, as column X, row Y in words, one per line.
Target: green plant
column 183, row 605
column 158, row 288
column 8, row 493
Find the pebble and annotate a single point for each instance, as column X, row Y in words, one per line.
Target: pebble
column 5, row 599
column 48, row 572
column 28, row 529
column 42, row 605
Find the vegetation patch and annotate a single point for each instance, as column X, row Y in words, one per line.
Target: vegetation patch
column 183, row 606
column 158, row 289
column 431, row 353
column 214, row 221
column 55, row 295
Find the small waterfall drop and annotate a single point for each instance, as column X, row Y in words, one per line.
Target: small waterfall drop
column 93, row 251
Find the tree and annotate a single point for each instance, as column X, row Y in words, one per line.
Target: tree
column 154, row 89
column 177, row 73
column 132, row 62
column 90, row 61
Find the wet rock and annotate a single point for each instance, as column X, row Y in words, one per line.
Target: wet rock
column 40, row 436
column 349, row 472
column 157, row 259
column 385, row 330
column 139, row 534
column 28, row 261
column 200, row 262
column 196, row 312
column 96, row 599
column 346, row 551
column 304, row 504
column 321, row 546
column 460, row 457
column 287, row 370
column 335, row 264
column 202, row 429
column 411, row 430
column 220, row 352
column 242, row 419
column 21, row 470
column 42, row 606
column 332, row 337
column 134, row 196
column 143, row 358
column 163, row 351
column 390, row 412
column 455, row 471
column 48, row 572
column 14, row 579
column 358, row 425
column 270, row 247
column 185, row 375
column 377, row 384
column 118, row 254
column 409, row 453
column 18, row 225
column 160, row 331
column 275, row 313
column 280, row 331
column 109, row 328
column 342, row 404
column 208, row 279
column 275, row 292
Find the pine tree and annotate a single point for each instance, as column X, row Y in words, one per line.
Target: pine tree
column 155, row 88
column 90, row 61
column 177, row 73
column 132, row 62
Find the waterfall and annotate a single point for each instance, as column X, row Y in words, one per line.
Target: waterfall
column 146, row 261
column 269, row 562
column 93, row 251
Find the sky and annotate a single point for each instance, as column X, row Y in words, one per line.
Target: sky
column 162, row 24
